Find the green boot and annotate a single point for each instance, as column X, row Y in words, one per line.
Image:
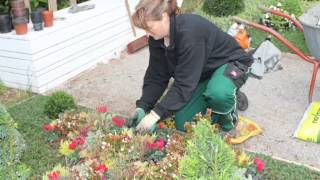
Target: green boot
column 228, row 121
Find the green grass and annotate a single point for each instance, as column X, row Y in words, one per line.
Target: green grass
column 252, row 13
column 280, row 170
column 40, row 157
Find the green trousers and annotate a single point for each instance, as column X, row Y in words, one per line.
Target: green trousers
column 217, row 93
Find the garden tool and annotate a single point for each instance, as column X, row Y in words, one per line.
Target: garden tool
column 76, row 8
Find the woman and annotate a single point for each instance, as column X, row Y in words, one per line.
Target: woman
column 207, row 65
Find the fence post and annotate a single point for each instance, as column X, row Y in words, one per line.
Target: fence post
column 73, row 2
column 27, row 3
column 52, row 5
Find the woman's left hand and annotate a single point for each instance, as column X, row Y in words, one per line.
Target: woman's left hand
column 148, row 121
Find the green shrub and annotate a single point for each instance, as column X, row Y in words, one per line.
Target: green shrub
column 57, row 103
column 223, row 7
column 12, row 145
column 3, row 88
column 207, row 156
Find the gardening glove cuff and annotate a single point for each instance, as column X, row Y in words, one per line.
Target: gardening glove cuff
column 136, row 117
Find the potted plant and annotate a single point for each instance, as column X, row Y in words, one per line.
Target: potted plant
column 5, row 19
column 36, row 13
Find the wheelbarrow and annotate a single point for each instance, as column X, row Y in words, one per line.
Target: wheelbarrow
column 311, row 33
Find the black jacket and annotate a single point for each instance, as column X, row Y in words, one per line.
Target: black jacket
column 197, row 47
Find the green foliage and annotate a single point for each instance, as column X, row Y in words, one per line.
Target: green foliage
column 4, row 7
column 12, row 146
column 59, row 102
column 223, row 7
column 293, row 7
column 207, row 155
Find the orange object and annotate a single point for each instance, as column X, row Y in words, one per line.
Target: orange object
column 137, row 44
column 21, row 29
column 47, row 18
column 243, row 38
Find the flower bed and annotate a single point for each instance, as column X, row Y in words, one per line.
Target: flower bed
column 101, row 146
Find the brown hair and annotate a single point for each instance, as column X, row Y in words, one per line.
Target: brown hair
column 153, row 10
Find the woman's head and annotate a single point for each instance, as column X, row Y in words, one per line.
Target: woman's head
column 154, row 16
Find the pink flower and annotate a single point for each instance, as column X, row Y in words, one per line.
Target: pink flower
column 102, row 109
column 48, row 127
column 259, row 164
column 54, row 175
column 84, row 131
column 73, row 145
column 160, row 143
column 102, row 168
column 118, row 122
column 81, row 140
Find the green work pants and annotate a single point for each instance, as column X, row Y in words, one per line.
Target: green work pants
column 217, row 93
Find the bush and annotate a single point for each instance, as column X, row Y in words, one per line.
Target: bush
column 223, row 7
column 12, row 146
column 57, row 103
column 293, row 7
column 207, row 155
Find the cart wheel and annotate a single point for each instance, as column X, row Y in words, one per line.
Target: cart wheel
column 242, row 101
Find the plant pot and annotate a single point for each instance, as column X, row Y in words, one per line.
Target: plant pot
column 36, row 16
column 37, row 26
column 5, row 23
column 47, row 18
column 17, row 4
column 20, row 20
column 17, row 12
column 21, row 28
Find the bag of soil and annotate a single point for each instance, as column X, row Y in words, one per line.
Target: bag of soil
column 309, row 127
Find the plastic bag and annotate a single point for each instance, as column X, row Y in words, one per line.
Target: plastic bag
column 309, row 127
column 245, row 129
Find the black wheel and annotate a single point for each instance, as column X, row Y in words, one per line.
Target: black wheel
column 242, row 101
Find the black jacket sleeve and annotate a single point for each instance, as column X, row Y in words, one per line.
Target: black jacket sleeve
column 191, row 60
column 155, row 80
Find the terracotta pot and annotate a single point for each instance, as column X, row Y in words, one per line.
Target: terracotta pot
column 21, row 29
column 47, row 17
column 16, row 4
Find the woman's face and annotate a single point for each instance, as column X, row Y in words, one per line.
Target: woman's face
column 160, row 28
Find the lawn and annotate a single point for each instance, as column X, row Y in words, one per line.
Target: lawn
column 252, row 13
column 39, row 156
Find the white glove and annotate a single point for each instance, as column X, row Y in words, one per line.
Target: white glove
column 148, row 121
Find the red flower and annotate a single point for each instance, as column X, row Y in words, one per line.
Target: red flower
column 118, row 122
column 161, row 125
column 102, row 109
column 54, row 175
column 259, row 164
column 48, row 127
column 157, row 145
column 101, row 168
column 73, row 145
column 152, row 146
